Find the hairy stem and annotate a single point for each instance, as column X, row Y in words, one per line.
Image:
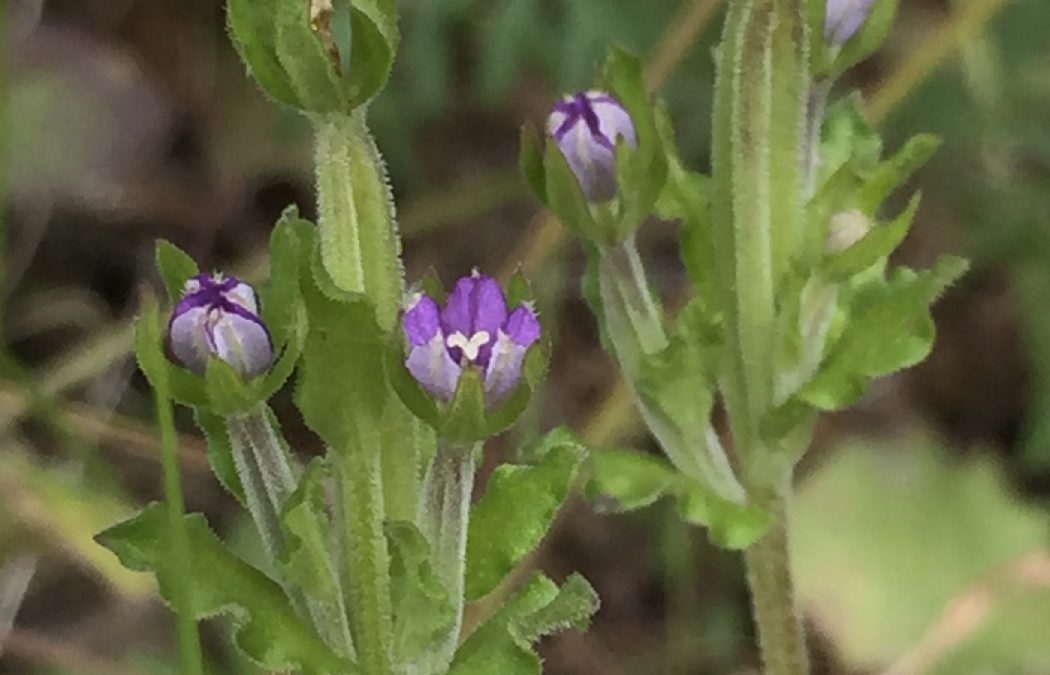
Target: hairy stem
column 444, row 512
column 781, row 635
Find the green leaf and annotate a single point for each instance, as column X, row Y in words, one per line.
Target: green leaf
column 269, row 631
column 253, row 27
column 516, row 512
column 176, row 268
column 281, row 305
column 374, row 26
column 220, row 452
column 888, row 328
column 888, row 175
column 502, row 644
column 423, row 611
column 530, row 162
column 341, row 379
column 306, row 560
column 875, row 246
column 626, row 480
column 305, row 59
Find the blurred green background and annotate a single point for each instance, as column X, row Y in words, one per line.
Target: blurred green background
column 923, row 515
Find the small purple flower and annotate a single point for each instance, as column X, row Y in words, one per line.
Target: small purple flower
column 219, row 316
column 586, row 127
column 473, row 329
column 844, row 18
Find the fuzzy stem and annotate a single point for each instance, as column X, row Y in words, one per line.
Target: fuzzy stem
column 444, row 512
column 781, row 635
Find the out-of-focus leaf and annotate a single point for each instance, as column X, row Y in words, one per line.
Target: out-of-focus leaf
column 423, row 611
column 888, row 537
column 269, row 632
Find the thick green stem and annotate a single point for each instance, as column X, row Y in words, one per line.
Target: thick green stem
column 365, row 563
column 360, row 251
column 444, row 513
column 781, row 635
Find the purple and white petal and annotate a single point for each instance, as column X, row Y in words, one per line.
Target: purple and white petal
column 504, row 368
column 422, row 320
column 523, row 326
column 586, row 128
column 844, row 18
column 241, row 340
column 433, row 367
column 187, row 343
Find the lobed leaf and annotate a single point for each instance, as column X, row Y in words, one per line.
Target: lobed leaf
column 423, row 611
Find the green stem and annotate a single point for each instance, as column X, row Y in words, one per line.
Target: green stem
column 189, row 639
column 444, row 513
column 269, row 478
column 781, row 635
column 365, row 559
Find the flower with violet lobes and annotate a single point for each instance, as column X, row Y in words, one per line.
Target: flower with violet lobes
column 586, row 127
column 219, row 316
column 474, row 329
column 844, row 18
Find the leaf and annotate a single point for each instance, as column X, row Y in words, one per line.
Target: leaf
column 888, row 328
column 220, row 452
column 565, row 196
column 306, row 560
column 269, row 632
column 176, row 268
column 888, row 175
column 281, row 305
column 502, row 644
column 871, row 35
column 305, row 59
column 626, row 480
column 253, row 27
column 516, row 511
column 423, row 611
column 184, row 386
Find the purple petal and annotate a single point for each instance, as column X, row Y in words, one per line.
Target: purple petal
column 422, row 321
column 476, row 305
column 187, row 343
column 844, row 18
column 433, row 367
column 523, row 326
column 504, row 368
column 586, row 128
column 241, row 340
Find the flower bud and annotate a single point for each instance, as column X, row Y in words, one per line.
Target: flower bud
column 219, row 316
column 844, row 18
column 473, row 330
column 845, row 230
column 586, row 127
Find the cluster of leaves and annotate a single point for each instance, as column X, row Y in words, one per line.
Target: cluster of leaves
column 334, row 338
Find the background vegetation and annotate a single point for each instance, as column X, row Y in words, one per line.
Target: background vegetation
column 923, row 514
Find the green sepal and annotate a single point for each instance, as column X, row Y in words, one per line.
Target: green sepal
column 531, row 162
column 626, row 480
column 565, row 196
column 185, row 387
column 869, row 38
column 875, row 246
column 269, row 632
column 422, row 609
column 518, row 508
column 176, row 268
column 463, row 419
column 220, row 452
column 503, row 643
column 533, row 371
column 819, row 54
column 418, row 401
column 519, row 291
column 888, row 328
column 641, row 172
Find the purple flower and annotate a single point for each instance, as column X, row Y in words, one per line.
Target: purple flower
column 586, row 127
column 473, row 329
column 844, row 18
column 219, row 316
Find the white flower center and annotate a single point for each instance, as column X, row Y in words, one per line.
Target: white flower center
column 470, row 346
